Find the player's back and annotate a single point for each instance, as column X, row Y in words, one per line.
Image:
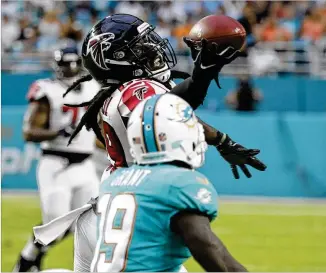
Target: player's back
column 137, row 234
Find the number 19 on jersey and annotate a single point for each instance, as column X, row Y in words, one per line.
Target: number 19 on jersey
column 117, row 218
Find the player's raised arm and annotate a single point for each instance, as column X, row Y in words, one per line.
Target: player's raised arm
column 209, row 59
column 204, row 245
column 194, row 90
column 207, row 65
column 214, row 41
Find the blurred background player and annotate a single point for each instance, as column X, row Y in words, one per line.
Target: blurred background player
column 65, row 175
column 246, row 97
column 168, row 144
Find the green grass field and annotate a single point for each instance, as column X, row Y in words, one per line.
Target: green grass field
column 263, row 236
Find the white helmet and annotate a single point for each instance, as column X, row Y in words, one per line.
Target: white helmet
column 164, row 128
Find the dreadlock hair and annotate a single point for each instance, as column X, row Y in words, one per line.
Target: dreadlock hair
column 87, row 103
column 85, row 78
column 89, row 119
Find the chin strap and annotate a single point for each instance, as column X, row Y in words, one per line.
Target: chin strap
column 163, row 76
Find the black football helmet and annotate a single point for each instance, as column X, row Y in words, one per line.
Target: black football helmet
column 122, row 47
column 67, row 63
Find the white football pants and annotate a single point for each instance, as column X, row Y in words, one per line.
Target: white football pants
column 64, row 187
column 101, row 161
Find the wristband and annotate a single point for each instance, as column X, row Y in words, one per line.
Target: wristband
column 220, row 138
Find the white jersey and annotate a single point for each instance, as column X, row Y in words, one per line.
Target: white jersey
column 62, row 116
column 101, row 161
column 115, row 114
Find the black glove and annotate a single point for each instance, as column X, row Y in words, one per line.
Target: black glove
column 67, row 131
column 237, row 155
column 209, row 58
column 209, row 54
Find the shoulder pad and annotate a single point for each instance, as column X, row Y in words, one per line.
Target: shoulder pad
column 37, row 90
column 135, row 91
column 193, row 191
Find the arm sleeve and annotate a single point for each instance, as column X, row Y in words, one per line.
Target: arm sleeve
column 192, row 91
column 196, row 194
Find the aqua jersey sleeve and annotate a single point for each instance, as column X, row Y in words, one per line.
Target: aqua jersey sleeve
column 192, row 191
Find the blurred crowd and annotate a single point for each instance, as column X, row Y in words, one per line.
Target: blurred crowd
column 43, row 25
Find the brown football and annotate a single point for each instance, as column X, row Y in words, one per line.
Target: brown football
column 220, row 29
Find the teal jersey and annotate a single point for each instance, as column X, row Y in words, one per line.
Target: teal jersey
column 138, row 203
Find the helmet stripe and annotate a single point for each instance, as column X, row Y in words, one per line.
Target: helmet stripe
column 148, row 124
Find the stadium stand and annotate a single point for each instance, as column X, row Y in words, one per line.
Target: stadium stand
column 288, row 37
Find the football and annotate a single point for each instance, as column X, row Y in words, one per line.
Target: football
column 220, row 29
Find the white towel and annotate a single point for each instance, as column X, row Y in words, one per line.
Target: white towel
column 49, row 232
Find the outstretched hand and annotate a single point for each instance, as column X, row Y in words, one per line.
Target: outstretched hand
column 239, row 156
column 209, row 57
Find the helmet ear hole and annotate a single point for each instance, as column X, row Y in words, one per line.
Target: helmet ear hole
column 193, row 146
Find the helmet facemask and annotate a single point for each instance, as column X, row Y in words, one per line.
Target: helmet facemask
column 67, row 66
column 197, row 157
column 150, row 53
column 69, row 69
